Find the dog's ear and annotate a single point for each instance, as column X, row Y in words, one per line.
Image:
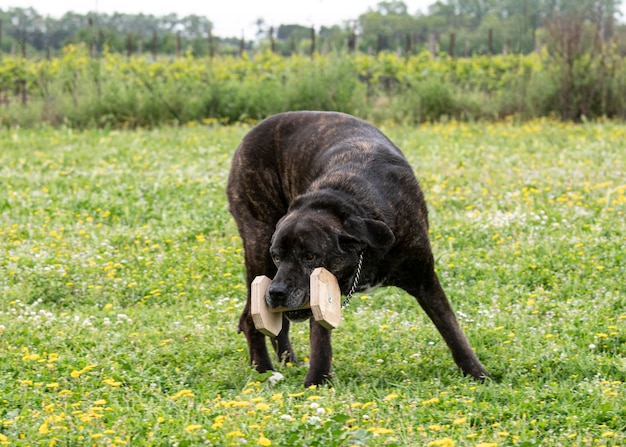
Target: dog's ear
column 374, row 233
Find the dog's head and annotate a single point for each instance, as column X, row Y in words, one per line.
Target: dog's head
column 310, row 238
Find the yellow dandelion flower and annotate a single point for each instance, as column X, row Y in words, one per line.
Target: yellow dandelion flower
column 380, row 430
column 262, row 406
column 181, row 394
column 296, row 394
column 434, row 400
column 235, row 434
column 218, row 422
column 459, row 421
column 263, row 441
column 29, row 357
column 112, row 382
column 391, row 396
column 193, row 427
column 444, row 442
column 487, row 444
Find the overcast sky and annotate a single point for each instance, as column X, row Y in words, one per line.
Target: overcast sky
column 230, row 17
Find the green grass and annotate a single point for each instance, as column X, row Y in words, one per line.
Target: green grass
column 121, row 283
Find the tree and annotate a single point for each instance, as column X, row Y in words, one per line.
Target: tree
column 387, row 26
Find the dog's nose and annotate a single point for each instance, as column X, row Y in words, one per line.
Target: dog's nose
column 278, row 294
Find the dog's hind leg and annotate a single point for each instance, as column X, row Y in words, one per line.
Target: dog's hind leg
column 427, row 290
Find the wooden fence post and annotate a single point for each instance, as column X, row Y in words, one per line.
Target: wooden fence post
column 242, row 45
column 407, row 45
column 490, row 38
column 312, row 41
column 292, row 45
column 271, row 36
column 178, row 49
column 22, row 83
column 351, row 42
column 129, row 45
column 379, row 44
column 452, row 43
column 46, row 38
column 210, row 44
column 154, row 45
column 92, row 44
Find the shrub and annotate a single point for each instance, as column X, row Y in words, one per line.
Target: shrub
column 566, row 79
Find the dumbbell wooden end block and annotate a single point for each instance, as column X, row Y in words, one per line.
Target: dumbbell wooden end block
column 325, row 298
column 325, row 303
column 264, row 319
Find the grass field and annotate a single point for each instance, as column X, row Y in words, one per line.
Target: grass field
column 121, row 283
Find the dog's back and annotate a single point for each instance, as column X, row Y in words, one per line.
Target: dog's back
column 292, row 153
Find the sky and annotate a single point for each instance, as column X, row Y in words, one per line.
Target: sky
column 230, row 17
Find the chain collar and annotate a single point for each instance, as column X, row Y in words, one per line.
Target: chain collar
column 355, row 283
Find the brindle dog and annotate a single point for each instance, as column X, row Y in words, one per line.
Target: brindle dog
column 325, row 189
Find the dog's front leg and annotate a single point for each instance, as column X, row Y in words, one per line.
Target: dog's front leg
column 282, row 344
column 321, row 355
column 257, row 347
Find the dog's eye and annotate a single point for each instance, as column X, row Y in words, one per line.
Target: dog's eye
column 309, row 256
column 276, row 259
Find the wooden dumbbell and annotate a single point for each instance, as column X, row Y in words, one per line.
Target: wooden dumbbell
column 325, row 303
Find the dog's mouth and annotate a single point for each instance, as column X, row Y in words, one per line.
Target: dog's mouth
column 298, row 314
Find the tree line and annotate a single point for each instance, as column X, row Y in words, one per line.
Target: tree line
column 460, row 27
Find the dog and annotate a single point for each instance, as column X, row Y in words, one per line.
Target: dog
column 325, row 189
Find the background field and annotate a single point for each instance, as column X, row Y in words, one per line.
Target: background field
column 121, row 281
